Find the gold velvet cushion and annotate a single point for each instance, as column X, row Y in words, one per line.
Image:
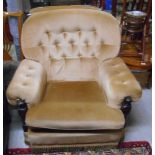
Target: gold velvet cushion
column 74, row 105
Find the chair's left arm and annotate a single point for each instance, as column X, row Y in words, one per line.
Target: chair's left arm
column 28, row 83
column 118, row 82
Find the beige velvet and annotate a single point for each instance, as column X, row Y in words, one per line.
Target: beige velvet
column 90, row 34
column 73, row 75
column 118, row 82
column 57, row 138
column 83, row 69
column 70, row 69
column 28, row 83
column 78, row 51
column 74, row 105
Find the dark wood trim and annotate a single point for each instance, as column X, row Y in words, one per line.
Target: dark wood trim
column 126, row 106
column 22, row 109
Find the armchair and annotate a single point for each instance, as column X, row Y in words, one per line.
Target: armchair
column 74, row 85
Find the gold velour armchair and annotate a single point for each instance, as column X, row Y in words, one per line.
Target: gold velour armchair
column 71, row 88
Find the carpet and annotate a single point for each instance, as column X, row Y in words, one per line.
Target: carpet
column 125, row 148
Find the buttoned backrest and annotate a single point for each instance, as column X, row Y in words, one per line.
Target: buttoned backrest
column 59, row 36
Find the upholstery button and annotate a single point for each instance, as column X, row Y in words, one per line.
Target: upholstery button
column 94, row 30
column 40, row 43
column 71, row 41
column 28, row 75
column 30, row 68
column 64, row 55
column 42, row 47
column 47, row 32
column 79, row 55
column 62, row 30
column 77, row 29
column 102, row 41
column 24, row 84
column 56, row 42
column 80, row 33
column 65, row 34
column 86, row 41
column 93, row 55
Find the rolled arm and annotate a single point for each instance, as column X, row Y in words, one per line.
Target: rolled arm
column 28, row 83
column 118, row 82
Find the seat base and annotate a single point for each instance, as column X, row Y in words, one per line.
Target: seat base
column 67, row 138
column 72, row 148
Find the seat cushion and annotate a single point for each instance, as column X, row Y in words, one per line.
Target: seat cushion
column 74, row 106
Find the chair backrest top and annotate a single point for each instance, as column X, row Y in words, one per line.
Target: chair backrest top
column 49, row 8
column 71, row 32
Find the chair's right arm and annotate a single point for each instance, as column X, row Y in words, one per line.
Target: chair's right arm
column 118, row 82
column 28, row 83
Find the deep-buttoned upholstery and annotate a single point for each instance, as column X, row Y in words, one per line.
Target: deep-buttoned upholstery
column 71, row 77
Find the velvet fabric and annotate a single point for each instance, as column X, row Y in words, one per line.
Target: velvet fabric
column 73, row 138
column 71, row 77
column 28, row 83
column 90, row 34
column 74, row 106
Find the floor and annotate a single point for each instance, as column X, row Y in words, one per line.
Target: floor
column 139, row 125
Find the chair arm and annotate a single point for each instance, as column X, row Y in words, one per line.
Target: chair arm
column 28, row 83
column 118, row 82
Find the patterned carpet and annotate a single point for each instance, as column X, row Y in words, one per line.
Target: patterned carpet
column 125, row 148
